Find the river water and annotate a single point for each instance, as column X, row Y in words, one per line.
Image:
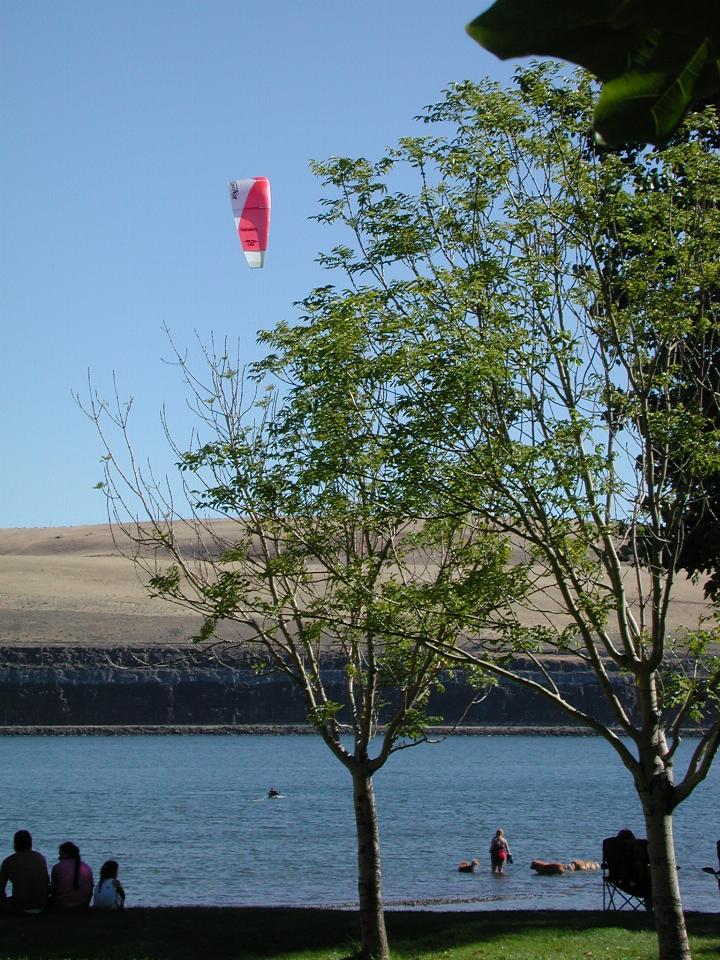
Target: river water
column 189, row 820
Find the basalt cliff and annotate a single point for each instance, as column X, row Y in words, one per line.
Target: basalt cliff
column 162, row 685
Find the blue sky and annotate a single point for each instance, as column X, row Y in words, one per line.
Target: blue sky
column 123, row 123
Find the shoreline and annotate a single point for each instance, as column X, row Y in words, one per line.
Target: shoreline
column 125, row 730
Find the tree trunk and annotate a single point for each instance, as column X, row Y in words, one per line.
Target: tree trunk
column 667, row 905
column 372, row 918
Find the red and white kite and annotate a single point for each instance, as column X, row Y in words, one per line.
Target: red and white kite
column 251, row 209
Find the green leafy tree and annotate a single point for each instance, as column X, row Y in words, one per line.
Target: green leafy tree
column 695, row 385
column 294, row 543
column 520, row 385
column 655, row 58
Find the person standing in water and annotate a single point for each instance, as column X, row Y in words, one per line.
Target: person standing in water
column 499, row 852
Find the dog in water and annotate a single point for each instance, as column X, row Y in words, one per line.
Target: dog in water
column 584, row 865
column 547, row 869
column 552, row 868
column 468, row 866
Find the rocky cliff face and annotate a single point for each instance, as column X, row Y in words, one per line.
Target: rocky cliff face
column 165, row 685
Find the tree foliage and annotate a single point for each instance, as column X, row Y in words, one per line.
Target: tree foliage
column 693, row 470
column 526, row 321
column 655, row 58
column 295, row 543
column 494, row 399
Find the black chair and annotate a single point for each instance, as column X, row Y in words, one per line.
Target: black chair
column 626, row 873
column 712, row 870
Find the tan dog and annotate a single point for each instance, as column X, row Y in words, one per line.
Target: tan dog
column 546, row 869
column 468, row 866
column 584, row 865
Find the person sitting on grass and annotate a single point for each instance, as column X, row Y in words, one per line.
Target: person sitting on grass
column 109, row 893
column 27, row 871
column 71, row 880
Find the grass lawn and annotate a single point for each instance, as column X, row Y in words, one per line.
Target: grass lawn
column 200, row 933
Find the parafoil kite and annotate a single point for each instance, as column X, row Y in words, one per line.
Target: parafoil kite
column 251, row 209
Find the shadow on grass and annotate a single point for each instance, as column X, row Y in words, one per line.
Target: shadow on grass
column 206, row 933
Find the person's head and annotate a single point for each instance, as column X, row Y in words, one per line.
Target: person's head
column 498, row 833
column 69, row 851
column 22, row 840
column 109, row 870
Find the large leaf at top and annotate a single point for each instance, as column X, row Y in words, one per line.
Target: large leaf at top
column 655, row 58
column 584, row 33
column 647, row 105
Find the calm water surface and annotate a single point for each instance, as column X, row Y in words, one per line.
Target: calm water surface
column 189, row 822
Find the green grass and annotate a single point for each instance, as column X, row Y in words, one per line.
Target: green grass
column 182, row 933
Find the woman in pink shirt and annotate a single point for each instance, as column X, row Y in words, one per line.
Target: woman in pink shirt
column 71, row 880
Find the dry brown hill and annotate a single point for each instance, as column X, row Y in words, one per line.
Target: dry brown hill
column 69, row 585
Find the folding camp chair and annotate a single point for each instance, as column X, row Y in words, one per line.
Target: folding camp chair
column 626, row 873
column 712, row 870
